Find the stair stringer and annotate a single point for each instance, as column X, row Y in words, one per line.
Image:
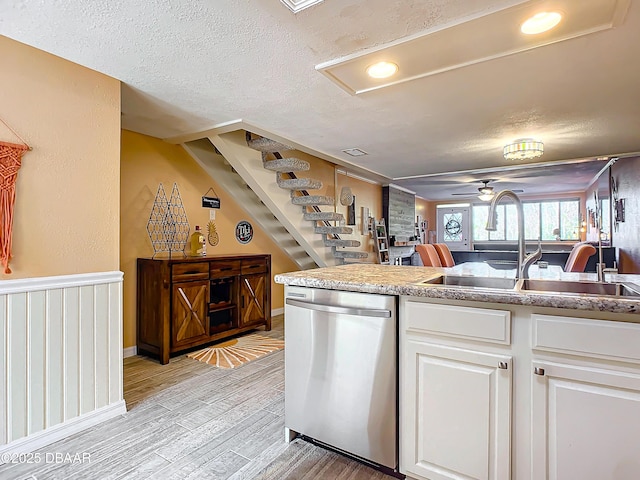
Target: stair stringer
column 248, row 163
column 203, row 152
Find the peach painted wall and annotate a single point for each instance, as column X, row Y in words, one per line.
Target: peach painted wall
column 148, row 161
column 428, row 211
column 366, row 195
column 66, row 215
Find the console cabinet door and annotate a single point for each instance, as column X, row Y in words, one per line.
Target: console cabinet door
column 586, row 423
column 455, row 413
column 253, row 299
column 190, row 305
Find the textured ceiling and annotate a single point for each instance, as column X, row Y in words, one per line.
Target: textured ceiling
column 535, row 180
column 189, row 66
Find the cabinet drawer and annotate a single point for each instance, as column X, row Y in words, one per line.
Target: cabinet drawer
column 258, row 265
column 585, row 337
column 224, row 268
column 480, row 324
column 184, row 272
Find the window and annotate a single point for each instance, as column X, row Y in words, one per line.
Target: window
column 605, row 208
column 547, row 220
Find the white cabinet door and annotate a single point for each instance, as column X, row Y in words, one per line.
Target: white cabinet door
column 585, row 423
column 455, row 413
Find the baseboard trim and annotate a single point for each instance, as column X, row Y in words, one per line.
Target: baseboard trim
column 129, row 352
column 58, row 432
column 277, row 311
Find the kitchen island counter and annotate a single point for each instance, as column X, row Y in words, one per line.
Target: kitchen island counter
column 405, row 280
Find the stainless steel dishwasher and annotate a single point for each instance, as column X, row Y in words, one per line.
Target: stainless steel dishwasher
column 341, row 371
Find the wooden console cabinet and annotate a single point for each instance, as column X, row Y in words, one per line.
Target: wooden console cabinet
column 187, row 302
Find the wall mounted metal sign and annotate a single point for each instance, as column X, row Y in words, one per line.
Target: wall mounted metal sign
column 211, row 202
column 244, row 232
column 618, row 204
column 351, row 211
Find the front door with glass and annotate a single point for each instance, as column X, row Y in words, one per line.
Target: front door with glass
column 453, row 227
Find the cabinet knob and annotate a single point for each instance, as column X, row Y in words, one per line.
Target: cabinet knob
column 503, row 365
column 538, row 371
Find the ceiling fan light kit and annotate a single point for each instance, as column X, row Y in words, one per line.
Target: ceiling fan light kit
column 486, row 192
column 523, row 149
column 486, row 197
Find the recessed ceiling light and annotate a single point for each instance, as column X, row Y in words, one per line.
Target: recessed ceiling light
column 355, row 152
column 540, row 22
column 382, row 69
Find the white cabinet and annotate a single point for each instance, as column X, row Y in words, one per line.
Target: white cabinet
column 455, row 399
column 585, row 407
column 567, row 405
column 585, row 423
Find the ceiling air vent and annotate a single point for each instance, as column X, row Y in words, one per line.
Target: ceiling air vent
column 297, row 5
column 355, row 152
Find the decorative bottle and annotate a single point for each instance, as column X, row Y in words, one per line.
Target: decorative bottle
column 197, row 243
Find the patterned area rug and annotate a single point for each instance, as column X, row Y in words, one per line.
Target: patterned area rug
column 237, row 351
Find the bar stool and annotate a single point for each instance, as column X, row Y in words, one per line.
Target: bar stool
column 446, row 259
column 578, row 257
column 428, row 255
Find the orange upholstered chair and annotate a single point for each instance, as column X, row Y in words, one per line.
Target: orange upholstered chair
column 446, row 259
column 578, row 257
column 428, row 255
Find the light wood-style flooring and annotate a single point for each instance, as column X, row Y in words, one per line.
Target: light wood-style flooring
column 190, row 420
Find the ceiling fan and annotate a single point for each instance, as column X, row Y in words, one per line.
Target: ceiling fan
column 486, row 192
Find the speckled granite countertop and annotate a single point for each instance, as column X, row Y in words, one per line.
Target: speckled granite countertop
column 402, row 280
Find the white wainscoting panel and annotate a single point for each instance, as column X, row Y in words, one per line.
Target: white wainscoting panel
column 60, row 355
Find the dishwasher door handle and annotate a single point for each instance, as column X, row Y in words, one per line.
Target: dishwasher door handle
column 363, row 312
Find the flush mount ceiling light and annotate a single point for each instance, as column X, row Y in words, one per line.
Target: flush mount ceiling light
column 523, row 149
column 382, row 69
column 540, row 22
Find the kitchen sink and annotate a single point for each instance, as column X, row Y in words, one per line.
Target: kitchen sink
column 470, row 281
column 502, row 264
column 589, row 288
column 623, row 289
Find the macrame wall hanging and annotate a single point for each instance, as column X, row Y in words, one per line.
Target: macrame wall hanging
column 10, row 162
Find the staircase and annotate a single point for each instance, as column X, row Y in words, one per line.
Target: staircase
column 205, row 154
column 310, row 237
column 286, row 179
